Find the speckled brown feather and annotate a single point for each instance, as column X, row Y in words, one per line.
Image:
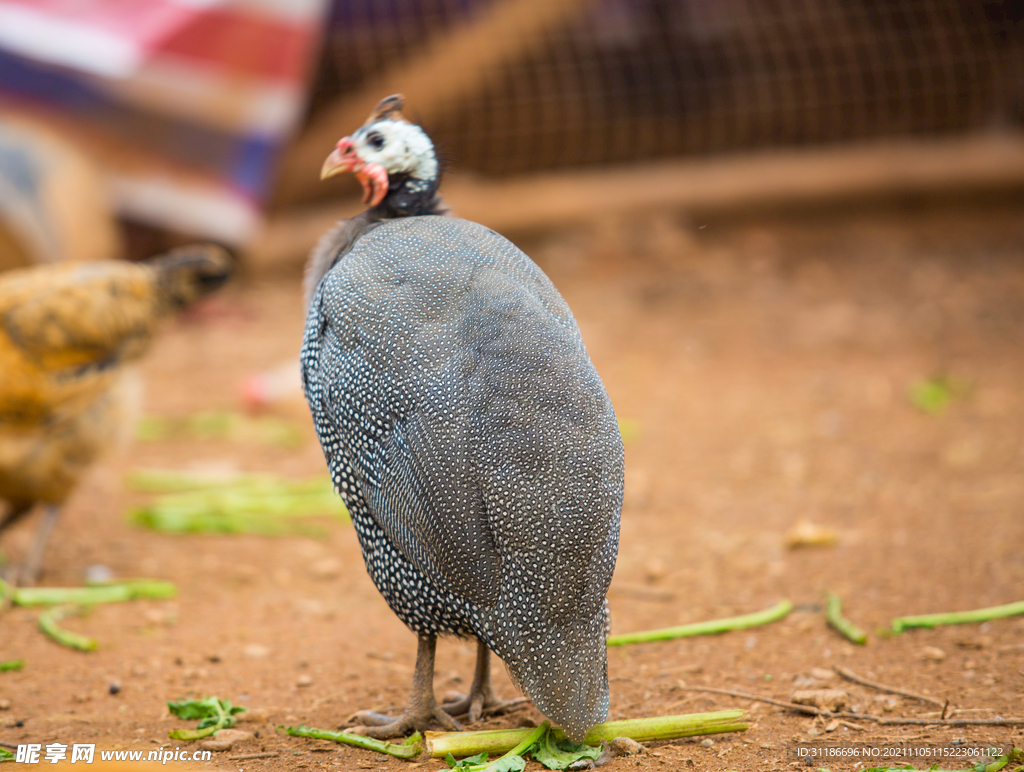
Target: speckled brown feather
column 67, row 332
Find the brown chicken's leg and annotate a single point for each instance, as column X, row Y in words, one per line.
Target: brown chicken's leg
column 28, row 572
column 481, row 693
column 33, row 563
column 421, row 710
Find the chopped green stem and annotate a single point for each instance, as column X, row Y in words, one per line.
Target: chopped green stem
column 11, row 664
column 459, row 744
column 958, row 617
column 773, row 614
column 530, row 739
column 410, row 749
column 834, row 616
column 48, row 624
column 241, row 504
column 87, row 596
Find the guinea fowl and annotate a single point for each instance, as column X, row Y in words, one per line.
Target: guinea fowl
column 66, row 333
column 468, row 433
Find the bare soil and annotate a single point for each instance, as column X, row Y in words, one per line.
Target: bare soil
column 762, row 370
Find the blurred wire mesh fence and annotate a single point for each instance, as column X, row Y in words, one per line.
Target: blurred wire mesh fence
column 625, row 80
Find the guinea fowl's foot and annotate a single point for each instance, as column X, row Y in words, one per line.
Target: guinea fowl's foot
column 422, row 710
column 384, row 727
column 481, row 697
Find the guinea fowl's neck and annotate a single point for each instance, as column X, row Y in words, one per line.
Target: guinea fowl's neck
column 409, row 196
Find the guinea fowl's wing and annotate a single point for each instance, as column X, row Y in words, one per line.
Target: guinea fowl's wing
column 429, row 505
column 73, row 318
column 382, row 376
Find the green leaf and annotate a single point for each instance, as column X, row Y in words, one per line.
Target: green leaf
column 560, row 754
column 478, row 763
column 11, row 664
column 466, row 763
column 192, row 734
column 506, row 764
column 215, row 713
column 6, row 755
column 189, row 710
column 933, row 395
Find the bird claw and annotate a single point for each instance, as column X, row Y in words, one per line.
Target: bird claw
column 475, row 705
column 381, row 727
column 369, row 718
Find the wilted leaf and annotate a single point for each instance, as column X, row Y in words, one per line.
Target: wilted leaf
column 560, row 754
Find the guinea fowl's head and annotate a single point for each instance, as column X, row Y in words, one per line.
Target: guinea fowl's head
column 392, row 158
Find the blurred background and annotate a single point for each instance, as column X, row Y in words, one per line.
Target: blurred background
column 210, row 118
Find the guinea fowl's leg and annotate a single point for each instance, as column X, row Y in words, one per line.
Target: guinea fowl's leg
column 34, row 561
column 481, row 693
column 421, row 710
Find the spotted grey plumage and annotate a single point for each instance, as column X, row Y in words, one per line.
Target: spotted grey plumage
column 475, row 447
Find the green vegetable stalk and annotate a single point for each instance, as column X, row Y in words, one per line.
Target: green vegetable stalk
column 958, row 617
column 834, row 616
column 11, row 664
column 88, row 596
column 48, row 623
column 512, row 761
column 410, row 749
column 773, row 614
column 440, row 744
column 237, row 504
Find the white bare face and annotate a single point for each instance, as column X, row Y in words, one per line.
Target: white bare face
column 398, row 147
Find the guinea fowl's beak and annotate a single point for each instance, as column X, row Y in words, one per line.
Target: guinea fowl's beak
column 372, row 176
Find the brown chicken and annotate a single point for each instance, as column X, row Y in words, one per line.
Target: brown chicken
column 66, row 333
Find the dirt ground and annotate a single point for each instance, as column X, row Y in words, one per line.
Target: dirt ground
column 761, row 366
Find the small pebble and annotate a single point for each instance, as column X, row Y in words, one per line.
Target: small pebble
column 5, row 704
column 933, row 654
column 707, row 742
column 822, row 674
column 304, row 680
column 625, row 746
column 255, row 650
column 326, row 568
column 115, row 687
column 226, row 739
column 215, row 745
column 252, row 716
column 825, row 699
column 98, row 574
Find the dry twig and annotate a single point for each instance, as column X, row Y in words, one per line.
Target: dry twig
column 849, row 675
column 810, row 710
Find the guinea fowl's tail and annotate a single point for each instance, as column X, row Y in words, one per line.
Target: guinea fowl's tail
column 186, row 274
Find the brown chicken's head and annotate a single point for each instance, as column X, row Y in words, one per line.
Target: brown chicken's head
column 188, row 273
column 386, row 153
